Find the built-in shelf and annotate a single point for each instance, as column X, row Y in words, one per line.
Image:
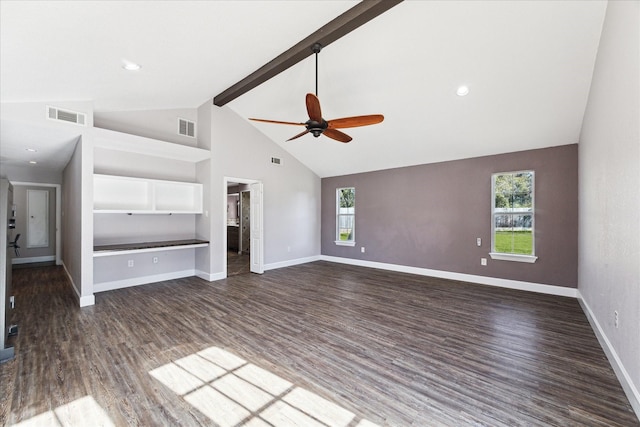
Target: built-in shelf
column 120, row 194
column 131, row 248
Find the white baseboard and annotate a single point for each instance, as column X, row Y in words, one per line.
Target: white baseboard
column 30, row 260
column 629, row 388
column 483, row 280
column 291, row 262
column 87, row 300
column 210, row 277
column 135, row 281
column 83, row 301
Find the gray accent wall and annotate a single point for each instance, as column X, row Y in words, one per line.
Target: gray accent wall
column 609, row 272
column 429, row 216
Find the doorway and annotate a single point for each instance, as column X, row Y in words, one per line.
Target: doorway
column 243, row 227
column 38, row 220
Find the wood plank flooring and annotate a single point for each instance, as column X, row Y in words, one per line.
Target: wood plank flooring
column 315, row 344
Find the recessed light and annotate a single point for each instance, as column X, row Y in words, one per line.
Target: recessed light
column 33, row 162
column 131, row 66
column 462, row 91
column 31, row 150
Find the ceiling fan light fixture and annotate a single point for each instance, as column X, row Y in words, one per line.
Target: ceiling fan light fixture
column 462, row 91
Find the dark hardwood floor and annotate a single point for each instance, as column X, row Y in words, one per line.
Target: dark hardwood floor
column 238, row 263
column 315, row 344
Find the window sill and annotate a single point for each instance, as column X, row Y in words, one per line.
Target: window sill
column 513, row 257
column 345, row 243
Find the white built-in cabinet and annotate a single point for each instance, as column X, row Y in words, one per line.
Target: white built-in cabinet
column 120, row 194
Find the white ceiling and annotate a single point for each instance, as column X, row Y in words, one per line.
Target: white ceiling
column 528, row 65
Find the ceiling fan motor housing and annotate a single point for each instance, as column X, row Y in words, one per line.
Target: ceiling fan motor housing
column 316, row 128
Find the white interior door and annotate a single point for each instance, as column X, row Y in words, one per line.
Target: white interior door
column 37, row 218
column 257, row 232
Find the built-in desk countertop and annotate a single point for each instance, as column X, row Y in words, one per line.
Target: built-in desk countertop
column 130, row 248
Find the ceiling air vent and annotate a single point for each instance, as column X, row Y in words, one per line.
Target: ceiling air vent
column 276, row 161
column 68, row 116
column 186, row 128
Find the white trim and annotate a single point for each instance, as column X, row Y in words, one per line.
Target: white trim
column 513, row 257
column 482, row 280
column 623, row 376
column 83, row 301
column 44, row 243
column 291, row 262
column 210, row 277
column 29, row 260
column 58, row 192
column 345, row 242
column 87, row 300
column 98, row 254
column 143, row 280
column 531, row 211
column 223, row 242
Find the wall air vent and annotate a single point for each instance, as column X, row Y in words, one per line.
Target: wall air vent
column 68, row 116
column 186, row 128
column 276, row 161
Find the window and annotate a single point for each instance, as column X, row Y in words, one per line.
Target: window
column 346, row 216
column 512, row 228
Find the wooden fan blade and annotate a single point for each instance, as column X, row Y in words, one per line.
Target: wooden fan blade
column 276, row 122
column 299, row 135
column 313, row 108
column 337, row 135
column 352, row 122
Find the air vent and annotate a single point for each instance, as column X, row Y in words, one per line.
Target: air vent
column 58, row 114
column 186, row 128
column 276, row 161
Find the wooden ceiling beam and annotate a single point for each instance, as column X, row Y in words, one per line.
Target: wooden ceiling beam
column 353, row 18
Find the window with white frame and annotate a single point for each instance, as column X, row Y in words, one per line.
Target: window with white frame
column 512, row 216
column 346, row 216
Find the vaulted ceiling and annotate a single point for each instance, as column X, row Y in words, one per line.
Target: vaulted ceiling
column 528, row 66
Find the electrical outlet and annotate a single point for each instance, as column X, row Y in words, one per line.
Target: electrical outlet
column 362, row 249
column 615, row 318
column 483, row 261
column 479, row 241
column 130, row 263
column 12, row 301
column 155, row 259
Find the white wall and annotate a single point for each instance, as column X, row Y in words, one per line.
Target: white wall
column 291, row 191
column 77, row 223
column 28, row 174
column 609, row 182
column 157, row 124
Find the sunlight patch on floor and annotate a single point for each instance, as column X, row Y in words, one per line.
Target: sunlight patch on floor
column 231, row 391
column 79, row 413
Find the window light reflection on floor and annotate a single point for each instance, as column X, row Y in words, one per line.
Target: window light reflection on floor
column 75, row 413
column 231, row 391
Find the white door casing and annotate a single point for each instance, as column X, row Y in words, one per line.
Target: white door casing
column 37, row 218
column 257, row 232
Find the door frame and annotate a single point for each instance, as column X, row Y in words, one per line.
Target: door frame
column 58, row 192
column 259, row 218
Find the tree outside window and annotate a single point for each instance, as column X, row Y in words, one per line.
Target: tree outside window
column 345, row 212
column 513, row 213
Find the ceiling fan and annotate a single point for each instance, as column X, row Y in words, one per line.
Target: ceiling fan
column 316, row 125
